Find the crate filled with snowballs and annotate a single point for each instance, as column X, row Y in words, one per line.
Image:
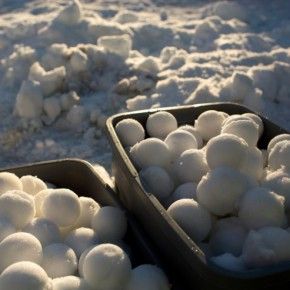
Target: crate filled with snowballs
column 229, row 196
column 52, row 239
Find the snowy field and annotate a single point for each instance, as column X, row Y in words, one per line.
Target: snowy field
column 66, row 66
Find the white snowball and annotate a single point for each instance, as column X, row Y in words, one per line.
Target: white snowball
column 38, row 201
column 228, row 236
column 78, row 61
column 107, row 266
column 276, row 139
column 226, row 150
column 110, row 224
column 76, row 115
column 9, row 181
column 68, row 100
column 59, row 260
column 194, row 132
column 88, row 208
column 148, row 277
column 280, row 156
column 194, row 219
column 6, row 228
column 235, row 117
column 52, row 107
column 32, row 185
column 209, row 124
column 18, row 207
column 71, row 14
column 150, row 152
column 229, row 262
column 179, row 141
column 260, row 207
column 25, row 276
column 148, row 65
column 220, row 189
column 156, row 181
column 130, row 132
column 44, row 230
column 70, row 283
column 80, row 239
column 20, row 247
column 160, row 124
column 82, row 259
column 246, row 129
column 257, row 120
column 62, row 206
column 191, row 166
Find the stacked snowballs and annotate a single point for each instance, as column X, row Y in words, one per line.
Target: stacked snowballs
column 229, row 196
column 51, row 239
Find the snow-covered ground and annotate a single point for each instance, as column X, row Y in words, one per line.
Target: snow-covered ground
column 66, row 66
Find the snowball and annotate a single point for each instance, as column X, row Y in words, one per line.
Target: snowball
column 194, row 219
column 260, row 207
column 160, row 124
column 235, row 117
column 78, row 61
column 117, row 44
column 228, row 236
column 107, row 266
column 80, row 239
column 150, row 152
column 69, row 100
column 191, row 166
column 25, row 276
column 126, row 17
column 44, row 230
column 257, row 120
column 194, row 132
column 229, row 262
column 246, row 129
column 70, row 283
column 130, row 132
column 88, row 208
column 277, row 139
column 148, row 277
column 226, row 150
column 38, row 201
column 19, row 247
column 228, row 10
column 9, row 181
column 59, row 260
column 109, row 223
column 179, row 141
column 52, row 107
column 148, row 65
column 62, row 206
column 76, row 115
column 29, row 100
column 209, row 124
column 82, row 259
column 32, row 185
column 6, row 228
column 71, row 14
column 156, row 181
column 18, row 207
column 220, row 189
column 280, row 155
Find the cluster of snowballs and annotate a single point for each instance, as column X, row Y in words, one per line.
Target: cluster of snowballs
column 229, row 196
column 51, row 239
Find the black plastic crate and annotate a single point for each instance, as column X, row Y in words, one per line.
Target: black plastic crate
column 180, row 252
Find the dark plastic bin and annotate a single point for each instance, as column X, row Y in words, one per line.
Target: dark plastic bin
column 180, row 252
column 80, row 176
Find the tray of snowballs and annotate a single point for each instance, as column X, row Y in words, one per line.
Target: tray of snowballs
column 62, row 228
column 210, row 183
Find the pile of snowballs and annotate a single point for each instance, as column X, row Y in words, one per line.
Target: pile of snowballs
column 51, row 239
column 229, row 196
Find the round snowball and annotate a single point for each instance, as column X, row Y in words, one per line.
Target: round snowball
column 190, row 129
column 46, row 231
column 246, row 129
column 209, row 124
column 6, row 228
column 25, row 276
column 194, row 219
column 280, row 156
column 32, row 185
column 226, row 150
column 18, row 207
column 150, row 152
column 257, row 120
column 160, row 124
column 233, row 118
column 220, row 189
column 107, row 266
column 70, row 283
column 156, row 181
column 260, row 207
column 229, row 262
column 80, row 239
column 20, row 247
column 148, row 277
column 130, row 132
column 110, row 224
column 62, row 206
column 88, row 208
column 179, row 141
column 38, row 201
column 191, row 166
column 9, row 181
column 59, row 260
column 82, row 259
column 276, row 139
